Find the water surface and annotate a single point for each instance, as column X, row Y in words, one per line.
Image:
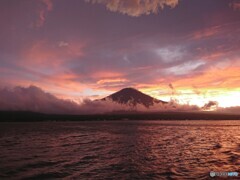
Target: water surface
column 118, row 149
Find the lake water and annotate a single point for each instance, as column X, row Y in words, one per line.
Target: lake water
column 119, row 150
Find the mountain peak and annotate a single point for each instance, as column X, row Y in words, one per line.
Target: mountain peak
column 129, row 89
column 133, row 97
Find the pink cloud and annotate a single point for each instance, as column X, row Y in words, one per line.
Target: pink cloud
column 235, row 5
column 45, row 53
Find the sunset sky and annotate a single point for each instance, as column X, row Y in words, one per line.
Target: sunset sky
column 183, row 49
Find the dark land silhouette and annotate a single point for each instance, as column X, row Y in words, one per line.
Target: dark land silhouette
column 8, row 116
column 133, row 97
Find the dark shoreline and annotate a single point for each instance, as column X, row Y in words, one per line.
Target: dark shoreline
column 23, row 116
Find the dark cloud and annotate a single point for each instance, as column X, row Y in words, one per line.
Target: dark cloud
column 232, row 110
column 211, row 105
column 172, row 88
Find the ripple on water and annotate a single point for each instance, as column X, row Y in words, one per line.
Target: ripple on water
column 119, row 150
column 49, row 175
column 217, row 146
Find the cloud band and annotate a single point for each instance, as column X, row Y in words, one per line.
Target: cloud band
column 136, row 8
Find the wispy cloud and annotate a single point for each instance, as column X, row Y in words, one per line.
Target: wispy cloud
column 110, row 81
column 235, row 5
column 46, row 7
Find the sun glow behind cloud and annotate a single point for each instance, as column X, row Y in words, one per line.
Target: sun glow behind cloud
column 200, row 97
column 224, row 99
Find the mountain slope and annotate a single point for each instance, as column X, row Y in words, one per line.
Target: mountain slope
column 132, row 97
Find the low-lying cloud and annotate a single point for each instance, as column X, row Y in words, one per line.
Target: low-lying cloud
column 136, row 8
column 35, row 99
column 211, row 105
column 231, row 110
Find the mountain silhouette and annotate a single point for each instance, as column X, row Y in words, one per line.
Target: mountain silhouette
column 133, row 97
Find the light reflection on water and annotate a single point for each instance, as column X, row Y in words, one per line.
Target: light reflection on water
column 120, row 149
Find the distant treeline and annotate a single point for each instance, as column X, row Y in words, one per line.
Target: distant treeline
column 12, row 116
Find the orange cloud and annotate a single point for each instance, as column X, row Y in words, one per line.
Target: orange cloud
column 206, row 33
column 218, row 83
column 60, row 84
column 107, row 81
column 213, row 56
column 106, row 74
column 135, row 8
column 214, row 78
column 44, row 53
